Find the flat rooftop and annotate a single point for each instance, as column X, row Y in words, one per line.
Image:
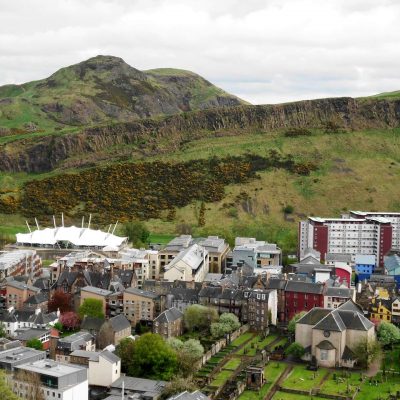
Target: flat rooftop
column 51, row 368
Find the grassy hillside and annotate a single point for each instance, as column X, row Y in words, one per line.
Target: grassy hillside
column 356, row 170
column 103, row 89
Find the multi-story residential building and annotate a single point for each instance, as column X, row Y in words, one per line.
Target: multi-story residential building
column 191, row 264
column 223, row 300
column 260, row 308
column 172, row 249
column 302, row 296
column 169, row 323
column 279, row 285
column 365, row 236
column 114, row 330
column 77, row 341
column 139, row 305
column 218, row 250
column 15, row 321
column 58, row 381
column 37, row 301
column 334, row 296
column 392, row 217
column 259, row 255
column 104, row 367
column 18, row 292
column 396, row 311
column 19, row 262
column 182, row 298
column 380, row 309
column 11, row 358
column 364, row 266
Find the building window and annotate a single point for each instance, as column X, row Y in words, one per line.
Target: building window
column 324, row 355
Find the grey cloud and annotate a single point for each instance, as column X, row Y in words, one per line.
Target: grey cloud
column 263, row 50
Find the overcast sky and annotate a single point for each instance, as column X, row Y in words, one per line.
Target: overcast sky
column 265, row 51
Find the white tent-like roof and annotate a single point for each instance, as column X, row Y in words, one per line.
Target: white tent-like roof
column 78, row 237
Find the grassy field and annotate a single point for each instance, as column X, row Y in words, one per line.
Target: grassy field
column 272, row 371
column 302, row 379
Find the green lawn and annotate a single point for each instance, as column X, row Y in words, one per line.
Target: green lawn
column 221, row 378
column 269, row 339
column 339, row 385
column 232, row 364
column 160, row 238
column 390, row 385
column 290, row 396
column 242, row 339
column 272, row 372
column 302, row 379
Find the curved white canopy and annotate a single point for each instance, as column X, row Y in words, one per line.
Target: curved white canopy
column 79, row 237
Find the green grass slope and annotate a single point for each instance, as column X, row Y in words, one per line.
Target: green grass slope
column 356, row 170
column 103, row 89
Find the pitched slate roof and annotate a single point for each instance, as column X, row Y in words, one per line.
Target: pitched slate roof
column 189, row 295
column 108, row 355
column 278, row 284
column 37, row 298
column 197, row 395
column 347, row 316
column 348, row 354
column 304, row 287
column 140, row 292
column 170, row 315
column 331, row 322
column 92, row 323
column 210, row 291
column 339, row 292
column 31, row 333
column 313, row 316
column 119, row 323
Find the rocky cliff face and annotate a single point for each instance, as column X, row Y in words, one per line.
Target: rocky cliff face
column 47, row 153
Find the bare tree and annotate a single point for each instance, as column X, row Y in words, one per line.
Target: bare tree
column 34, row 390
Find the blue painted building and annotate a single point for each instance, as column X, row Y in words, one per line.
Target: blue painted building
column 364, row 266
column 392, row 267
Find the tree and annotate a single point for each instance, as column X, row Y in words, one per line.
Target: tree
column 124, row 351
column 202, row 214
column 3, row 332
column 296, row 350
column 218, row 330
column 188, row 353
column 230, row 320
column 292, row 323
column 35, row 391
column 35, row 344
column 5, row 389
column 366, row 352
column 152, row 358
column 91, row 308
column 137, row 233
column 70, row 320
column 178, row 385
column 105, row 336
column 388, row 334
column 199, row 318
column 60, row 301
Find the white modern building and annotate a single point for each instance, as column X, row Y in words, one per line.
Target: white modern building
column 366, row 236
column 104, row 367
column 393, row 217
column 71, row 237
column 191, row 264
column 260, row 255
column 58, row 381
